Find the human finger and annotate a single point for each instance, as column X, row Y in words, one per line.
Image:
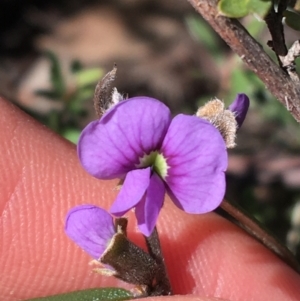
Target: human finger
column 42, row 179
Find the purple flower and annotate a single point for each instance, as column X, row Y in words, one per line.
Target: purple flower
column 138, row 141
column 240, row 108
column 91, row 228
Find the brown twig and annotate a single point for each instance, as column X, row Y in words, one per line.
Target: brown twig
column 256, row 230
column 274, row 22
column 163, row 286
column 286, row 58
column 237, row 37
column 288, row 61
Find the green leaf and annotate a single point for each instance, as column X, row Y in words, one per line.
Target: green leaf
column 255, row 28
column 71, row 134
column 76, row 66
column 50, row 94
column 88, row 76
column 57, row 79
column 85, row 92
column 260, row 7
column 292, row 19
column 203, row 33
column 241, row 8
column 97, row 294
column 234, row 8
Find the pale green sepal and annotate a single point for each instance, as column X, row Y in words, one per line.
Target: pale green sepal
column 157, row 161
column 161, row 166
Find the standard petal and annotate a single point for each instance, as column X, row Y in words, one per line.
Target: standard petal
column 110, row 147
column 240, row 108
column 90, row 227
column 147, row 211
column 197, row 159
column 132, row 191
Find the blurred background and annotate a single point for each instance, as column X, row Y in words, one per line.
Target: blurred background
column 52, row 53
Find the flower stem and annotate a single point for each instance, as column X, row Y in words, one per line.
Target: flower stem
column 163, row 286
column 256, row 230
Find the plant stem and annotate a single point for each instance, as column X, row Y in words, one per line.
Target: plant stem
column 256, row 230
column 163, row 286
column 274, row 22
column 277, row 81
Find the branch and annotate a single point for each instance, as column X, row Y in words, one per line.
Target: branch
column 274, row 22
column 288, row 61
column 251, row 52
column 256, row 230
column 286, row 58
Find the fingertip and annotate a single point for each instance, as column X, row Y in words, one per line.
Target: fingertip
column 208, row 255
column 41, row 179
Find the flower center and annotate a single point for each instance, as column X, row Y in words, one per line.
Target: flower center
column 157, row 161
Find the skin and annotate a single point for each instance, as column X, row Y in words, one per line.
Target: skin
column 41, row 179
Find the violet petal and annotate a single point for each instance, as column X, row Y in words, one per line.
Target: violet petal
column 132, row 191
column 197, row 156
column 90, row 227
column 240, row 108
column 147, row 211
column 110, row 147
